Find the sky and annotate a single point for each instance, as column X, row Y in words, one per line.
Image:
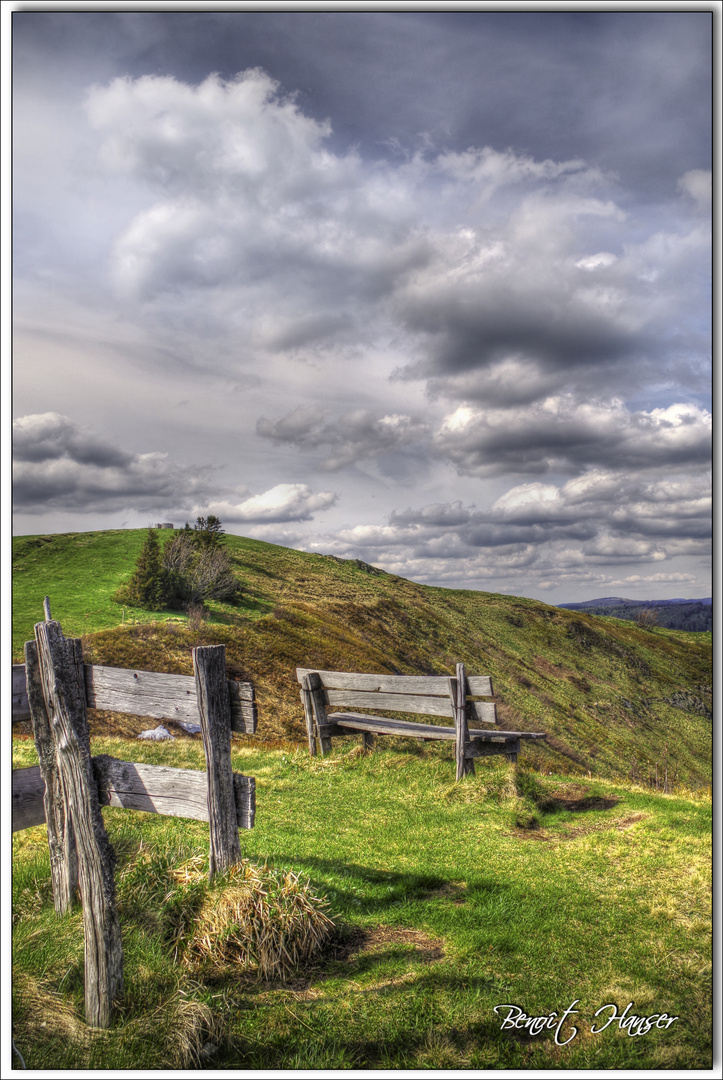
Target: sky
column 427, row 289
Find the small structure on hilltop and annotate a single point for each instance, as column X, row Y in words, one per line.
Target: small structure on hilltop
column 164, row 525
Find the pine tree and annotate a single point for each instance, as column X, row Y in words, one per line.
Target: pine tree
column 208, row 531
column 147, row 586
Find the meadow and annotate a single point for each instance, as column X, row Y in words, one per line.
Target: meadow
column 567, row 881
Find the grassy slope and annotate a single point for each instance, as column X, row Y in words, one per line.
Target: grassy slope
column 602, row 688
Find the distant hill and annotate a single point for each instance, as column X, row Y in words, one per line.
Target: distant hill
column 677, row 614
column 615, row 699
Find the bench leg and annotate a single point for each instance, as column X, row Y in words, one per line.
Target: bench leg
column 512, row 758
column 367, row 740
column 325, row 745
column 308, row 715
column 465, row 767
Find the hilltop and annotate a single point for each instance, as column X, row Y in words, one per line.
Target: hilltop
column 616, row 699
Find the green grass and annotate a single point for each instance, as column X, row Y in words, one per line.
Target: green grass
column 510, row 887
column 80, row 572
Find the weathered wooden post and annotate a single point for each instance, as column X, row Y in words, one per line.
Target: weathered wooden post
column 61, row 841
column 60, row 663
column 214, row 706
column 458, row 691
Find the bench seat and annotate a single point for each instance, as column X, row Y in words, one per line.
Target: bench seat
column 381, row 725
column 428, row 695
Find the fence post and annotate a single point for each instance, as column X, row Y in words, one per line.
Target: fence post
column 214, row 706
column 61, row 841
column 63, row 686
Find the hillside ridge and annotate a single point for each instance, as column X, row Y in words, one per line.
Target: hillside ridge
column 615, row 699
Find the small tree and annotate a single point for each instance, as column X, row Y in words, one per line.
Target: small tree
column 208, row 531
column 148, row 585
column 647, row 618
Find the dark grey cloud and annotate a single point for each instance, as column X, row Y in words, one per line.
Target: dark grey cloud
column 60, row 464
column 617, row 88
column 50, row 436
column 561, row 434
column 353, row 437
column 484, row 262
column 599, row 520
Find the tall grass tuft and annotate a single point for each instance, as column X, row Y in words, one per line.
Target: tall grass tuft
column 264, row 920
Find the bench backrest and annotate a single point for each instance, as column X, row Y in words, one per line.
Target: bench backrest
column 428, row 695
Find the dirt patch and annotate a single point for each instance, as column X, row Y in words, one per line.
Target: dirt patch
column 589, row 802
column 621, row 824
column 578, row 830
column 546, row 668
column 451, row 890
column 575, row 797
column 531, row 834
column 364, row 942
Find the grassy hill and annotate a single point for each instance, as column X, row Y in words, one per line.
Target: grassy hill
column 616, row 700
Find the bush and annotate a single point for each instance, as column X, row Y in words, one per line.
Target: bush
column 197, row 571
column 647, row 618
column 194, row 567
column 261, row 919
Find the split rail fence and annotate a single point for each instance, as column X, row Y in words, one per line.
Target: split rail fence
column 66, row 790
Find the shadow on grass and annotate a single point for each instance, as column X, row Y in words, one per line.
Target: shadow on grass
column 397, row 1026
column 401, row 886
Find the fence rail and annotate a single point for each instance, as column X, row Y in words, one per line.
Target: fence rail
column 146, row 693
column 156, row 789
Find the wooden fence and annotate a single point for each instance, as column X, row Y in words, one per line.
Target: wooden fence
column 67, row 789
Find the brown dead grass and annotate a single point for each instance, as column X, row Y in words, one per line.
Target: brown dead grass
column 261, row 920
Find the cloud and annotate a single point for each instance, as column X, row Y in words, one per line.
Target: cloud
column 60, row 464
column 561, row 533
column 698, row 183
column 284, row 502
column 561, row 434
column 356, row 435
column 520, row 295
column 485, row 267
column 509, row 332
column 50, row 436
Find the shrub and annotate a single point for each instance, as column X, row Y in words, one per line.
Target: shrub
column 198, row 571
column 193, row 568
column 647, row 618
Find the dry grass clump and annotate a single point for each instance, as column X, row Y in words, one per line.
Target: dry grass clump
column 42, row 1008
column 264, row 920
column 183, row 1029
column 180, row 1030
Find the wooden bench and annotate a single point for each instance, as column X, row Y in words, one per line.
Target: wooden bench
column 427, row 695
